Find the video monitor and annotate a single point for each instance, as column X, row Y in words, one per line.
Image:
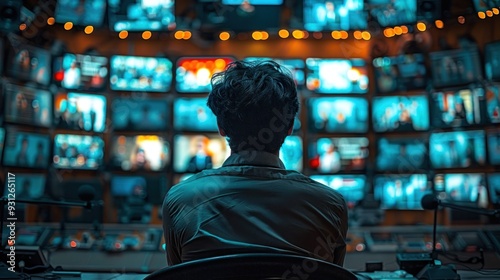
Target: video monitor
column 494, row 187
column 493, row 103
column 132, row 190
column 78, row 151
column 194, row 153
column 139, row 114
column 400, row 73
column 484, row 5
column 295, row 66
column 29, row 186
column 140, row 15
column 77, row 111
column 81, row 71
column 291, row 153
column 27, row 62
column 321, row 15
column 27, row 105
column 402, row 155
column 458, row 108
column 462, row 187
column 492, row 60
column 455, row 67
column 494, row 146
column 338, row 115
column 400, row 113
column 25, row 149
column 194, row 74
column 2, row 137
column 459, row 149
column 328, row 75
column 193, row 114
column 401, row 191
column 82, row 12
column 136, row 73
column 393, row 13
column 68, row 190
column 332, row 155
column 140, row 153
column 352, row 187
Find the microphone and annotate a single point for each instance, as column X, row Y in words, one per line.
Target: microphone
column 431, row 202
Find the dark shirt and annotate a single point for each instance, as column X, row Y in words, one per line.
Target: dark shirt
column 253, row 205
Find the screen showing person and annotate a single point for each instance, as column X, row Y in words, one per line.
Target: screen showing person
column 81, row 71
column 27, row 62
column 352, row 187
column 140, row 114
column 140, row 152
column 392, row 13
column 23, row 149
column 194, row 74
column 457, row 149
column 2, row 137
column 458, row 108
column 291, row 153
column 134, row 73
column 403, row 155
column 28, row 186
column 295, row 66
column 138, row 189
column 338, row 114
column 80, row 111
column 400, row 113
column 468, row 187
column 400, row 191
column 337, row 75
column 82, row 12
column 195, row 153
column 492, row 60
column 332, row 155
column 400, row 73
column 320, row 15
column 493, row 103
column 78, row 151
column 27, row 105
column 494, row 187
column 193, row 114
column 455, row 67
column 140, row 15
column 494, row 146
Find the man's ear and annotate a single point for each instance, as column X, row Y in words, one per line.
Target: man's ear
column 290, row 130
column 221, row 131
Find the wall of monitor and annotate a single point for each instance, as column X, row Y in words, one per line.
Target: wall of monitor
column 382, row 122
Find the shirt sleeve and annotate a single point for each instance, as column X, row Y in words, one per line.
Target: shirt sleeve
column 173, row 249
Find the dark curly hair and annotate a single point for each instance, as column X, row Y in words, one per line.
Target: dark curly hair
column 255, row 104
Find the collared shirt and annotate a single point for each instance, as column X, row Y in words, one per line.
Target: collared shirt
column 253, row 205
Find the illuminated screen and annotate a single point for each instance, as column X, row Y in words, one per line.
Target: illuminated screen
column 24, row 149
column 400, row 73
column 132, row 189
column 139, row 114
column 352, row 187
column 337, row 75
column 291, row 153
column 141, row 152
column 295, row 66
column 467, row 187
column 80, row 111
column 193, row 114
column 484, row 5
column 134, row 73
column 338, row 114
column 401, row 191
column 81, row 72
column 458, row 108
column 332, row 155
column 253, row 2
column 26, row 105
column 494, row 146
column 400, row 113
column 392, row 13
column 78, row 151
column 140, row 15
column 28, row 186
column 493, row 103
column 455, row 67
column 194, row 74
column 457, row 149
column 86, row 12
column 492, row 60
column 321, row 15
column 195, row 153
column 403, row 155
column 494, row 186
column 2, row 137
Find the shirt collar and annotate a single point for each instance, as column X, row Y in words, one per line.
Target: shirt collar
column 252, row 157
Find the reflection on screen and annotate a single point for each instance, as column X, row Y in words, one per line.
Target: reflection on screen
column 493, row 103
column 462, row 188
column 140, row 15
column 141, row 152
column 295, row 66
column 401, row 155
column 337, row 75
column 392, row 13
column 401, row 191
column 457, row 149
column 86, row 12
column 28, row 186
column 494, row 146
column 322, row 15
column 80, row 111
column 26, row 62
column 492, row 60
column 494, row 187
column 458, row 108
column 291, row 153
column 82, row 72
column 193, row 114
column 400, row 73
column 352, row 187
column 134, row 73
column 195, row 153
column 27, row 105
column 26, row 149
column 455, row 67
column 338, row 114
column 194, row 74
column 78, row 151
column 400, row 113
column 331, row 155
column 139, row 114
